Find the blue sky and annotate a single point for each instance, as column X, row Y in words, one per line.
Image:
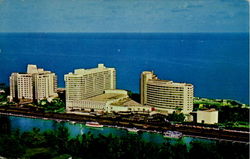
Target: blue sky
column 124, row 15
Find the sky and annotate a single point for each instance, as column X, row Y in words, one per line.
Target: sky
column 124, row 16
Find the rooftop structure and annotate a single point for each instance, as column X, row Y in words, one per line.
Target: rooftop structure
column 126, row 102
column 107, row 97
column 111, row 101
column 99, row 102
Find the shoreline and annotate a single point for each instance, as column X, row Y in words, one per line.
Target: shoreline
column 211, row 134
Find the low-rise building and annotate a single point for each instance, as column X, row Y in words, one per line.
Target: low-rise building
column 97, row 103
column 110, row 101
column 209, row 116
column 128, row 105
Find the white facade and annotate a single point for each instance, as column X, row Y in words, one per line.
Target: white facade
column 35, row 84
column 131, row 108
column 86, row 83
column 111, row 101
column 87, row 105
column 21, row 86
column 32, row 69
column 166, row 95
column 207, row 116
column 145, row 76
column 45, row 85
column 97, row 103
column 13, row 86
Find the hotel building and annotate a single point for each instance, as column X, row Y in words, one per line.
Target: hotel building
column 35, row 84
column 166, row 95
column 86, row 83
column 45, row 85
column 21, row 86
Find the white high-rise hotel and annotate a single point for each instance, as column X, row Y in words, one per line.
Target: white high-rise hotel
column 85, row 83
column 166, row 95
column 35, row 84
column 21, row 86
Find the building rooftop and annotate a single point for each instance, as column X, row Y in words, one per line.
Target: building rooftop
column 107, row 97
column 82, row 71
column 209, row 110
column 31, row 69
column 126, row 102
column 166, row 83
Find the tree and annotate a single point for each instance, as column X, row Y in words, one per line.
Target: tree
column 62, row 135
column 11, row 146
column 5, row 125
column 176, row 117
column 203, row 150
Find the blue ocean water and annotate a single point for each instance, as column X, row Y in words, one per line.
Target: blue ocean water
column 216, row 64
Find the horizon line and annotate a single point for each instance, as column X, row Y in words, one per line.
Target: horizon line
column 125, row 32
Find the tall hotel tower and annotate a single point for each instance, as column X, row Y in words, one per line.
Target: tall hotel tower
column 85, row 83
column 166, row 95
column 21, row 86
column 35, row 84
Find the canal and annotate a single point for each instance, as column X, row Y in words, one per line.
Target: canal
column 27, row 124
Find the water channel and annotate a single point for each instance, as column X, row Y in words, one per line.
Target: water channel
column 27, row 124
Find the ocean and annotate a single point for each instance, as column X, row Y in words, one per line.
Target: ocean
column 217, row 64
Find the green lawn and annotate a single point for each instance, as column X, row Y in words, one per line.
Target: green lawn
column 64, row 156
column 39, row 153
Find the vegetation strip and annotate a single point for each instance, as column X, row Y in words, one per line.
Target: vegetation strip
column 58, row 144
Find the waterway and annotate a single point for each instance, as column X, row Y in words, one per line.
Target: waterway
column 27, row 124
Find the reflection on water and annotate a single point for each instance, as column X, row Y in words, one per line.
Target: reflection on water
column 26, row 124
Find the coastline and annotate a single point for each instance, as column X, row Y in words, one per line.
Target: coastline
column 214, row 89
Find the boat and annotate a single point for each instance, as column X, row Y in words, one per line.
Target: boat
column 145, row 126
column 132, row 130
column 172, row 134
column 58, row 120
column 72, row 122
column 94, row 124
